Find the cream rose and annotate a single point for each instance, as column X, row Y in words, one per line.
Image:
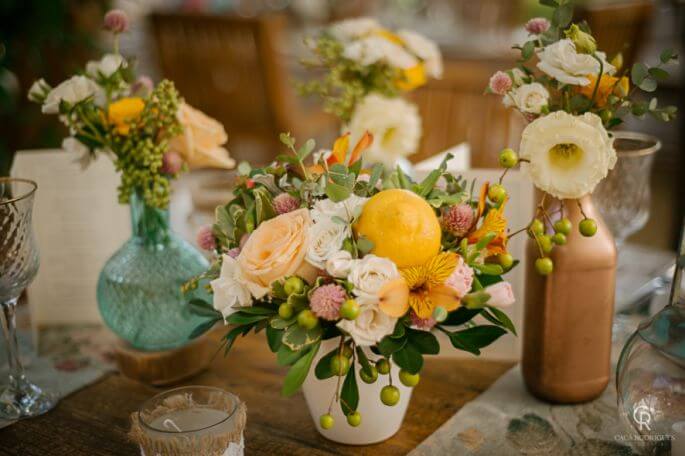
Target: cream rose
column 105, row 67
column 368, row 275
column 561, row 61
column 230, row 289
column 325, row 209
column 200, row 143
column 325, row 239
column 275, row 250
column 370, row 326
column 339, row 264
column 529, row 98
column 73, row 90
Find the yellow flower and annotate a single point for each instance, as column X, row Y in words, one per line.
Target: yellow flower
column 607, row 86
column 388, row 35
column 421, row 288
column 411, row 78
column 494, row 222
column 122, row 112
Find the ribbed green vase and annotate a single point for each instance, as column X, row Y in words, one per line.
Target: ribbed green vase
column 139, row 289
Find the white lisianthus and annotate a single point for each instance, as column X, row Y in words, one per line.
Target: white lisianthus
column 324, row 210
column 39, row 90
column 375, row 48
column 75, row 147
column 368, row 275
column 339, row 264
column 517, row 76
column 325, row 239
column 561, row 61
column 351, row 29
column 230, row 289
column 569, row 155
column 370, row 326
column 73, row 90
column 394, row 123
column 106, row 66
column 529, row 98
column 424, row 49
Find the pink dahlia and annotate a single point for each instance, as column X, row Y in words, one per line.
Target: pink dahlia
column 500, row 83
column 537, row 25
column 171, row 163
column 285, row 203
column 205, row 238
column 424, row 324
column 461, row 278
column 458, row 219
column 116, row 21
column 326, row 301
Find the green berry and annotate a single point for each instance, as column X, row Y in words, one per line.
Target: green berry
column 349, row 309
column 546, row 243
column 390, row 395
column 326, row 421
column 536, row 228
column 605, row 115
column 354, row 419
column 293, row 285
column 440, row 314
column 505, row 260
column 563, row 226
column 497, row 193
column 544, row 266
column 408, row 379
column 508, row 158
column 383, row 366
column 340, row 364
column 307, row 319
column 369, row 377
column 347, row 351
column 285, row 311
column 559, row 238
column 587, row 227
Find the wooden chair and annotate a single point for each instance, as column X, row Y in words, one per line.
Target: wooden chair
column 230, row 68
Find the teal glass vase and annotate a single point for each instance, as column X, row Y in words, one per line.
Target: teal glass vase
column 139, row 289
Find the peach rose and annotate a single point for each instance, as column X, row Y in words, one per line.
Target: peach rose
column 275, row 250
column 201, row 140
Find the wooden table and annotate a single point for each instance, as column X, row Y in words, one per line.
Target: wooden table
column 95, row 420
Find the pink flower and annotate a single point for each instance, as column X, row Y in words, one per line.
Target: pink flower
column 461, row 279
column 234, row 252
column 171, row 163
column 205, row 238
column 285, row 203
column 116, row 21
column 500, row 83
column 326, row 301
column 142, row 85
column 537, row 25
column 501, row 294
column 458, row 219
column 424, row 324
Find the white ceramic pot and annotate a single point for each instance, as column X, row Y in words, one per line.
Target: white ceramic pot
column 379, row 421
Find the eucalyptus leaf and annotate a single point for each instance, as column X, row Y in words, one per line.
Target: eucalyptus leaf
column 667, row 55
column 337, row 192
column 638, row 73
column 364, row 245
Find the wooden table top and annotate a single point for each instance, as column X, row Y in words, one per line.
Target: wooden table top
column 95, row 420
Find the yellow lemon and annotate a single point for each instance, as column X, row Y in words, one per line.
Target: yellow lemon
column 402, row 226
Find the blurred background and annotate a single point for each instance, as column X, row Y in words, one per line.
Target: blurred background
column 237, row 60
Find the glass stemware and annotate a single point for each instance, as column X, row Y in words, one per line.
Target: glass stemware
column 18, row 266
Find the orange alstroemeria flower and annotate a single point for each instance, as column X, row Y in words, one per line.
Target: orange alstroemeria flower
column 341, row 146
column 494, row 222
column 607, row 85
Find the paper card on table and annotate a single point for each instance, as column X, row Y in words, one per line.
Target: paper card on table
column 78, row 225
column 460, row 162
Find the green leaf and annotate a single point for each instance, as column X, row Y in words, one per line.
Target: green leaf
column 667, row 55
column 287, row 139
column 298, row 373
column 323, row 367
column 287, row 159
column 427, row 185
column 527, row 50
column 638, row 73
column 409, row 359
column 489, row 269
column 279, row 323
column 460, row 316
column 296, row 337
column 485, row 240
column 487, row 280
column 502, row 318
column 424, row 341
column 552, row 3
column 658, row 73
column 363, row 360
column 387, row 346
column 337, row 192
column 278, row 291
column 286, row 356
column 376, row 173
column 364, row 244
column 562, row 15
column 240, row 318
column 479, row 336
column 202, row 328
column 648, row 85
column 399, row 330
column 306, row 149
column 204, row 309
column 349, row 393
column 403, row 179
column 258, row 310
column 273, row 337
column 264, row 209
column 461, row 343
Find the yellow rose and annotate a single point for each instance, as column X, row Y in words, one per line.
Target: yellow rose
column 122, row 112
column 201, row 140
column 607, row 85
column 276, row 249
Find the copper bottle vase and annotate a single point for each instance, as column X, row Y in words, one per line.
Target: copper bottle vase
column 568, row 315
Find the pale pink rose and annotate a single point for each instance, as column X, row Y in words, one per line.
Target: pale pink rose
column 461, row 279
column 501, row 294
column 537, row 25
column 500, row 83
column 276, row 250
column 116, row 21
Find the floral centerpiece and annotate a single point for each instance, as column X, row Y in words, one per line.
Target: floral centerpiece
column 327, row 256
column 367, row 69
column 152, row 136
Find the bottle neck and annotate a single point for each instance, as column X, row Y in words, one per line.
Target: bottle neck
column 150, row 225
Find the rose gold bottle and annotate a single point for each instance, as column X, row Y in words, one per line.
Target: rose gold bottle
column 568, row 314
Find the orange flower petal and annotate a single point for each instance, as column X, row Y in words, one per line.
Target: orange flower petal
column 364, row 142
column 444, row 296
column 339, row 149
column 393, row 298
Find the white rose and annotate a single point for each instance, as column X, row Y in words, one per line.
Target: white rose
column 424, row 49
column 73, row 90
column 324, row 210
column 230, row 289
column 106, row 66
column 339, row 264
column 368, row 275
column 370, row 326
column 561, row 61
column 372, row 49
column 325, row 239
column 350, row 29
column 529, row 98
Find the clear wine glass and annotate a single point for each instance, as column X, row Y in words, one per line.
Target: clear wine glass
column 18, row 266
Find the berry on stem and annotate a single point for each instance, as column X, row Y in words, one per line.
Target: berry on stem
column 340, row 364
column 369, row 377
column 285, row 311
column 347, row 351
column 349, row 309
column 307, row 319
column 506, row 260
column 497, row 193
column 587, row 227
column 354, row 419
column 390, row 395
column 408, row 379
column 563, row 226
column 536, row 228
column 508, row 158
column 544, row 266
column 293, row 285
column 559, row 238
column 383, row 366
column 545, row 242
column 326, row 421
